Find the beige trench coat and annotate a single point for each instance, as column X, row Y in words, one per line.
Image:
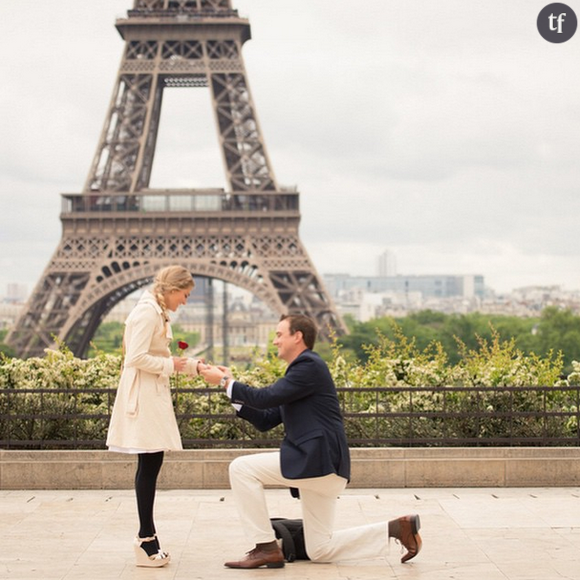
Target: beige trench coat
column 143, row 418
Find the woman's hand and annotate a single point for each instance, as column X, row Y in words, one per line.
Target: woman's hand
column 179, row 363
column 200, row 366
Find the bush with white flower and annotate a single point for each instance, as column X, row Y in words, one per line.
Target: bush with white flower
column 418, row 381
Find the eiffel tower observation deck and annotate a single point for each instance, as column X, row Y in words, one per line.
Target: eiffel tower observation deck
column 119, row 232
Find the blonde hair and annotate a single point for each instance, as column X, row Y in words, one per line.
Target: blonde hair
column 168, row 279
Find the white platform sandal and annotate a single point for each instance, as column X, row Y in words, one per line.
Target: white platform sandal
column 143, row 559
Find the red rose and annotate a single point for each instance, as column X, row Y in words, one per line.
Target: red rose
column 182, row 345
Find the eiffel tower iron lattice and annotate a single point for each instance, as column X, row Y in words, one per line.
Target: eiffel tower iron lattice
column 118, row 232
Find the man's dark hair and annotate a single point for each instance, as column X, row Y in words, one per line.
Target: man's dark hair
column 304, row 324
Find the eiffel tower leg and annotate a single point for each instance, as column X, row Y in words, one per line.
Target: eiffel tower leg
column 299, row 289
column 46, row 312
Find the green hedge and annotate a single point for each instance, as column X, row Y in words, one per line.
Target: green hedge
column 76, row 415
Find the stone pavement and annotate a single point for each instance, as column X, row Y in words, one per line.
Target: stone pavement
column 468, row 534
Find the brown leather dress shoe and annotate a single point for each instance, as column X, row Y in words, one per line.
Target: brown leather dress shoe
column 269, row 555
column 406, row 530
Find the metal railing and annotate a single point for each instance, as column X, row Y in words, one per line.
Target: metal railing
column 374, row 417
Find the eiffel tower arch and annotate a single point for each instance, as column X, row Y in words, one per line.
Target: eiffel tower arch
column 118, row 232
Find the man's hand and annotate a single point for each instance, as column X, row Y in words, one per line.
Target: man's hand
column 214, row 374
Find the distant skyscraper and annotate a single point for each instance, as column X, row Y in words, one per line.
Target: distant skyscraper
column 387, row 263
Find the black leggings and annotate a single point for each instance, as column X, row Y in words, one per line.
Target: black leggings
column 148, row 467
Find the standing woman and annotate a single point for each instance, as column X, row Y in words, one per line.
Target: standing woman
column 143, row 419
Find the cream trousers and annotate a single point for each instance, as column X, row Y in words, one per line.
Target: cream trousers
column 318, row 496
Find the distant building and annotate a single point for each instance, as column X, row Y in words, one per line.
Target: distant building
column 16, row 293
column 387, row 264
column 9, row 312
column 468, row 286
column 368, row 297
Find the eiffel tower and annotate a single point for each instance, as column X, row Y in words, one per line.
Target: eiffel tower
column 118, row 232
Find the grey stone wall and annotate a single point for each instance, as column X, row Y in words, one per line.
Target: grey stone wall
column 371, row 468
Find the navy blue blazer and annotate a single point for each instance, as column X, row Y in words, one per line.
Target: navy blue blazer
column 305, row 400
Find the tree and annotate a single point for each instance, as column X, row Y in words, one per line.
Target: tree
column 557, row 330
column 5, row 349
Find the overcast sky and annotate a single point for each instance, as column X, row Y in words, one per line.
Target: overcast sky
column 446, row 132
